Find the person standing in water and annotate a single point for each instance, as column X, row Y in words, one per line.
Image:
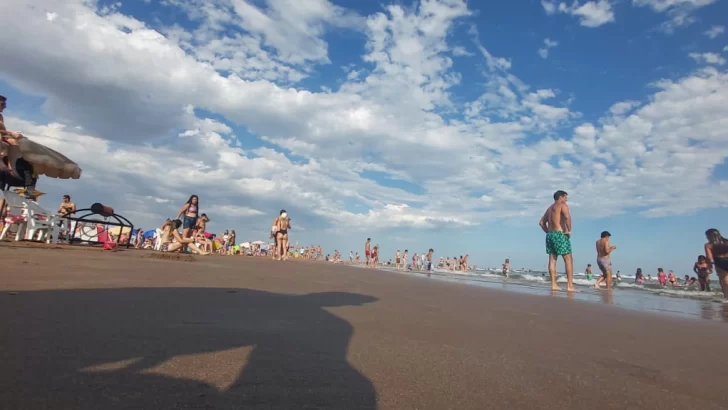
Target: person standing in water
column 703, row 269
column 604, row 250
column 556, row 223
column 507, row 268
column 716, row 253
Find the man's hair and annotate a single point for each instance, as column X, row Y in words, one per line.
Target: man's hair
column 3, row 98
column 67, row 196
column 606, row 234
column 559, row 194
column 369, row 239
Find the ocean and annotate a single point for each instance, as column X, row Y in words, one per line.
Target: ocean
column 651, row 297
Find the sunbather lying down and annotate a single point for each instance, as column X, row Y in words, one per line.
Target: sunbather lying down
column 172, row 241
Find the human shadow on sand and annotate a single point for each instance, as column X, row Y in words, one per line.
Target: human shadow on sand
column 170, row 348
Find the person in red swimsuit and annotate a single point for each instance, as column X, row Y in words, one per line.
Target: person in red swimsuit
column 367, row 250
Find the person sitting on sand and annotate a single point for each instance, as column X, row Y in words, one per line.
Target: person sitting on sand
column 703, row 269
column 716, row 253
column 172, row 240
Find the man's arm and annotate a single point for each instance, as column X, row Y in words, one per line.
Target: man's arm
column 543, row 223
column 566, row 224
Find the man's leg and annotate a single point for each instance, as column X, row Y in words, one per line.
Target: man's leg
column 552, row 272
column 609, row 276
column 569, row 262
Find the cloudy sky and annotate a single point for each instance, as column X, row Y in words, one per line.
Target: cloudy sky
column 445, row 124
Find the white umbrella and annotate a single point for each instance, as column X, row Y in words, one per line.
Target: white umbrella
column 45, row 161
column 245, row 245
column 258, row 243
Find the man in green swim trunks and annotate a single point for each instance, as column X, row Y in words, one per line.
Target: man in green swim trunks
column 556, row 222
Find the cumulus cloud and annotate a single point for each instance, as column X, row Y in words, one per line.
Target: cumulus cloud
column 547, row 45
column 680, row 12
column 708, row 58
column 590, row 14
column 714, row 31
column 152, row 115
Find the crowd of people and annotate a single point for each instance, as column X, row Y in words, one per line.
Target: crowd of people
column 557, row 225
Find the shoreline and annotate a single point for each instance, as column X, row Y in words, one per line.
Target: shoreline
column 119, row 330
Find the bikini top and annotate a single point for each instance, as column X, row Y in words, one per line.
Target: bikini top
column 192, row 209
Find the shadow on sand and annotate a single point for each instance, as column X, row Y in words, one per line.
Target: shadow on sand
column 169, row 348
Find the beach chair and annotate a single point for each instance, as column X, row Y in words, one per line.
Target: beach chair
column 40, row 222
column 158, row 240
column 17, row 217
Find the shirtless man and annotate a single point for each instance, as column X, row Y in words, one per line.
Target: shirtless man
column 66, row 208
column 429, row 262
column 396, row 259
column 588, row 272
column 604, row 249
column 556, row 223
column 368, row 250
column 507, row 268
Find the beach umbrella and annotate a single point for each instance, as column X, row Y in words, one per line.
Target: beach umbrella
column 45, row 161
column 259, row 243
column 150, row 233
column 245, row 245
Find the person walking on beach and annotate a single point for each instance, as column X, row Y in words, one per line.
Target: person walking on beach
column 429, row 262
column 716, row 253
column 283, row 223
column 556, row 223
column 368, row 250
column 396, row 259
column 703, row 269
column 190, row 211
column 604, row 250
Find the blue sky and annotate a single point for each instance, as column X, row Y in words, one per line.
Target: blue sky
column 444, row 124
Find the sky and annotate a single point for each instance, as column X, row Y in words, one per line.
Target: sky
column 422, row 124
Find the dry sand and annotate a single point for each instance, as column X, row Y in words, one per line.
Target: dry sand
column 85, row 329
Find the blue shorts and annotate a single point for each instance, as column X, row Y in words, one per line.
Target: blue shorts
column 189, row 222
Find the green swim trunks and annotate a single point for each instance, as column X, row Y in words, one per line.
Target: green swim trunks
column 557, row 243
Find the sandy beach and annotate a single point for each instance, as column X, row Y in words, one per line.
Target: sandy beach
column 85, row 329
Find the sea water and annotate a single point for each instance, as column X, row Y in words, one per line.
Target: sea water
column 651, row 297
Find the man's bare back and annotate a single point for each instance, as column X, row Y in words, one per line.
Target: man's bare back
column 603, row 248
column 551, row 221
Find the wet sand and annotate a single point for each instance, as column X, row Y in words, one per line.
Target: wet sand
column 85, row 329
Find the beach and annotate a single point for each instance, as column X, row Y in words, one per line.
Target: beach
column 87, row 329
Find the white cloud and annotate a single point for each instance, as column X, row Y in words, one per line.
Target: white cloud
column 708, row 58
column 715, row 31
column 680, row 12
column 126, row 85
column 591, row 13
column 547, row 45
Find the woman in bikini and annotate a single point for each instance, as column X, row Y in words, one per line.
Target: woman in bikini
column 716, row 253
column 283, row 223
column 199, row 233
column 172, row 240
column 190, row 211
column 703, row 269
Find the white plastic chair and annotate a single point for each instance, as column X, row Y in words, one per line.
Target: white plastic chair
column 40, row 222
column 18, row 215
column 158, row 239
